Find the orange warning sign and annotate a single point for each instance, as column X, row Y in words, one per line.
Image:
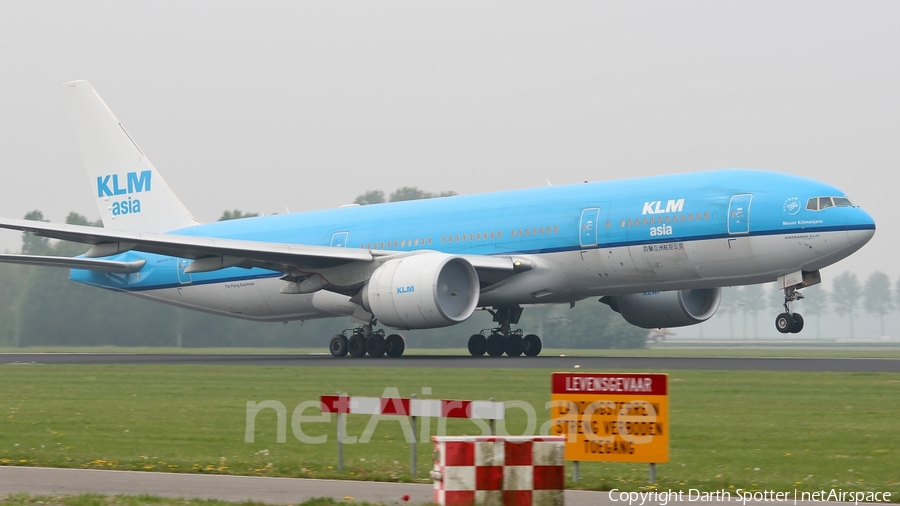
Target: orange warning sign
column 613, row 417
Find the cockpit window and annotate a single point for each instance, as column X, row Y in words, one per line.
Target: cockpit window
column 820, row 203
column 842, row 202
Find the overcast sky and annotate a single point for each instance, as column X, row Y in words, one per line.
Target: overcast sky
column 263, row 106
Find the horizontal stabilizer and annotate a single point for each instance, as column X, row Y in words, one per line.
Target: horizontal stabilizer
column 90, row 264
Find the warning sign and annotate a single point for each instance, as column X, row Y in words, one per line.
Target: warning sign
column 614, row 417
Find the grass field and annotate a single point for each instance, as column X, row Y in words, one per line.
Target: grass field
column 751, row 430
column 885, row 351
column 135, row 500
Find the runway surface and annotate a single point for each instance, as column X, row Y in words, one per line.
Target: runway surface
column 47, row 481
column 431, row 361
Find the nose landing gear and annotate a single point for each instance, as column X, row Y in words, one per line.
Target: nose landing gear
column 789, row 322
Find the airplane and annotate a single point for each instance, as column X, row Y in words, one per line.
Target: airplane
column 657, row 250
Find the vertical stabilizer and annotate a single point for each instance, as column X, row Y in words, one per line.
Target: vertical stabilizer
column 130, row 194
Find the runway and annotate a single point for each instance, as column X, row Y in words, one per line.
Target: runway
column 558, row 363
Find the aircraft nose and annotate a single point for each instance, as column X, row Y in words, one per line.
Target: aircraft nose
column 860, row 226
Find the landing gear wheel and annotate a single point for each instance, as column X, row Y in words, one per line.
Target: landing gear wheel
column 798, row 324
column 496, row 345
column 477, row 345
column 515, row 345
column 395, row 345
column 338, row 346
column 784, row 323
column 357, row 345
column 375, row 346
column 533, row 345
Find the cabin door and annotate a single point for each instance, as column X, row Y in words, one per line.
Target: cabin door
column 739, row 214
column 339, row 239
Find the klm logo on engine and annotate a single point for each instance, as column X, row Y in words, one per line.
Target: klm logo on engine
column 406, row 289
column 112, row 186
column 672, row 206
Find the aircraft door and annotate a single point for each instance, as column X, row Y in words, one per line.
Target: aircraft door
column 184, row 278
column 739, row 214
column 339, row 239
column 589, row 225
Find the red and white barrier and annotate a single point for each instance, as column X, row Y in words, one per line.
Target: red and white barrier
column 510, row 470
column 436, row 408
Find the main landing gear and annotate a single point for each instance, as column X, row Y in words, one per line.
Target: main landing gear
column 365, row 341
column 789, row 322
column 504, row 340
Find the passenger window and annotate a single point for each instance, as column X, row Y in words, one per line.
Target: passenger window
column 520, row 232
column 623, row 223
column 825, row 203
column 457, row 238
column 429, row 240
column 541, row 231
column 668, row 219
column 630, row 223
column 690, row 217
column 556, row 229
column 706, row 215
column 608, row 224
column 534, row 231
column 499, row 234
column 527, row 232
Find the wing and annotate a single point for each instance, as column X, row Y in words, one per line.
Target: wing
column 210, row 254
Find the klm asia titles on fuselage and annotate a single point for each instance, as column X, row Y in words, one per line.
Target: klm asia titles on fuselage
column 135, row 182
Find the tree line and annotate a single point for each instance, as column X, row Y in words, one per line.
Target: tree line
column 877, row 296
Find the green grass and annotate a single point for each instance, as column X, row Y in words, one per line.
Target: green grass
column 664, row 350
column 751, row 430
column 136, row 500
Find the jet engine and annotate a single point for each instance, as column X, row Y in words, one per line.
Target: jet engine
column 680, row 308
column 422, row 291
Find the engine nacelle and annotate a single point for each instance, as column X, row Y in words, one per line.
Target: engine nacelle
column 422, row 291
column 680, row 308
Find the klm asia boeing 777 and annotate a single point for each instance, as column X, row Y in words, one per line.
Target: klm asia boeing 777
column 657, row 250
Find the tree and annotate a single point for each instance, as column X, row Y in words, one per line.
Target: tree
column 753, row 301
column 845, row 296
column 76, row 219
column 414, row 193
column 32, row 244
column 897, row 294
column 877, row 296
column 399, row 195
column 731, row 297
column 237, row 214
column 815, row 303
column 370, row 197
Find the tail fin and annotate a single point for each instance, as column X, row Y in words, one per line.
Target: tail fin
column 130, row 194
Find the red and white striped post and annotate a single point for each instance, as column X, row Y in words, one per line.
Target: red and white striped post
column 429, row 408
column 508, row 470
